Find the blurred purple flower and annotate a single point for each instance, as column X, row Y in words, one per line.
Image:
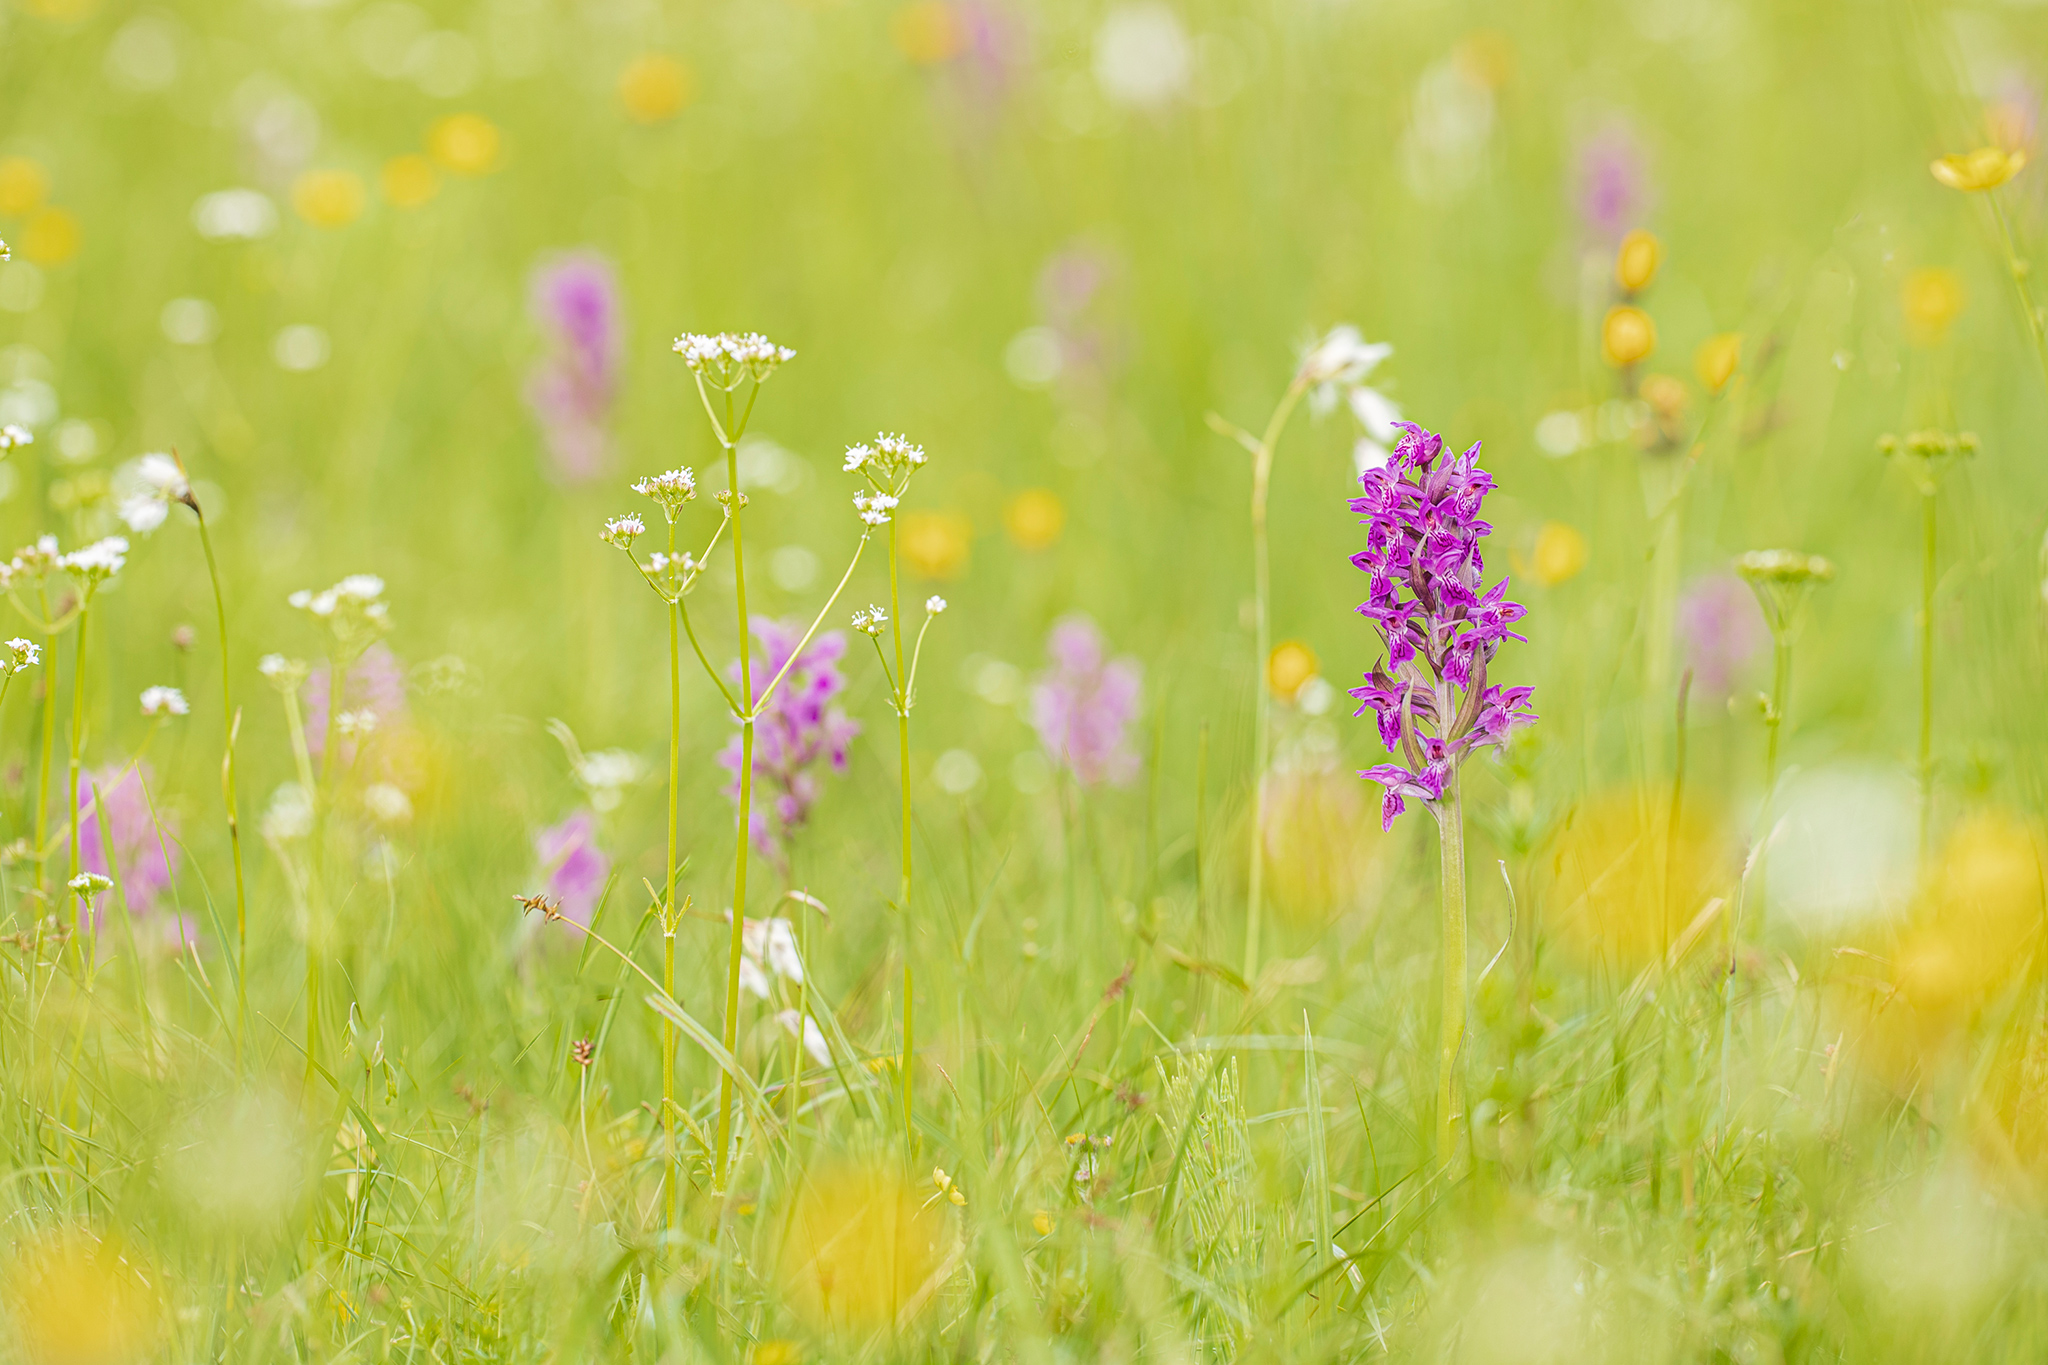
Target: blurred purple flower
column 1613, row 186
column 992, row 50
column 575, row 300
column 574, row 866
column 1721, row 630
column 797, row 731
column 376, row 683
column 146, row 860
column 1082, row 706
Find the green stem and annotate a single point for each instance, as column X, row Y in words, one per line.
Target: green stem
column 669, row 917
column 227, row 778
column 2017, row 268
column 1927, row 571
column 43, row 772
column 1262, row 478
column 1774, row 724
column 77, row 735
column 903, row 755
column 739, row 876
column 1451, row 839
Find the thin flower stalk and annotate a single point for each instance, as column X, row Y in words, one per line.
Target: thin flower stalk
column 1441, row 629
column 232, row 721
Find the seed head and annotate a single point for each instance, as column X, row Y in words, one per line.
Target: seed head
column 584, row 1051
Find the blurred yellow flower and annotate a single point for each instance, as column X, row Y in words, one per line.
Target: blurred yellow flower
column 1624, row 887
column 1487, row 57
column 328, row 199
column 1667, row 396
column 655, row 86
column 777, row 1353
column 1558, row 555
column 73, row 1299
column 1291, row 664
column 1042, row 1223
column 936, row 543
column 50, row 237
column 23, row 185
column 63, row 11
column 928, row 32
column 409, row 181
column 1717, row 359
column 1627, row 336
column 1034, row 518
column 1932, row 299
column 1984, row 169
column 1635, row 265
column 862, row 1250
column 1321, row 842
column 467, row 144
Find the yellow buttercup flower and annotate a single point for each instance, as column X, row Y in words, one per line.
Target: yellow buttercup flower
column 51, row 237
column 1932, row 298
column 1291, row 664
column 1984, row 169
column 1034, row 518
column 936, row 543
column 409, row 181
column 328, row 199
column 1627, row 336
column 655, row 86
column 1717, row 359
column 1635, row 265
column 23, row 185
column 928, row 32
column 467, row 144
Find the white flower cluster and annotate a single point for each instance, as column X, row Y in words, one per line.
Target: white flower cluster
column 1783, row 566
column 38, row 560
column 13, row 437
column 89, row 884
column 768, row 949
column 871, row 621
column 158, row 702
column 888, row 457
column 147, row 486
column 671, row 490
column 23, row 654
column 282, row 673
column 97, row 562
column 934, row 605
column 289, row 815
column 622, row 531
column 356, row 724
column 874, row 508
column 353, row 608
column 729, row 358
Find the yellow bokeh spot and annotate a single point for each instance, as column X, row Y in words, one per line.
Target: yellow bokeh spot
column 1321, row 842
column 1042, row 1223
column 467, row 144
column 75, row 1300
column 1667, row 396
column 1932, row 298
column 1984, row 169
column 1291, row 664
column 24, row 184
column 928, row 32
column 862, row 1251
column 777, row 1353
column 50, row 237
column 1486, row 57
column 936, row 543
column 1034, row 518
column 655, row 86
column 328, row 199
column 1635, row 265
column 1558, row 555
column 1717, row 359
column 1988, row 899
column 61, row 11
column 1627, row 336
column 1625, row 885
column 409, row 181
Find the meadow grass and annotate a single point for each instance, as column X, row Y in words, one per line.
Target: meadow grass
column 377, row 995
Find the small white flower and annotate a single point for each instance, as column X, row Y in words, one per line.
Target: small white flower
column 89, row 884
column 282, row 673
column 623, row 531
column 727, row 358
column 1340, row 360
column 356, row 724
column 13, row 437
column 934, row 605
column 289, row 815
column 813, row 1036
column 671, row 489
column 147, row 486
column 871, row 621
column 387, row 804
column 363, row 587
column 158, row 702
column 606, row 774
column 856, row 457
column 24, row 654
column 899, row 450
column 874, row 508
column 99, row 561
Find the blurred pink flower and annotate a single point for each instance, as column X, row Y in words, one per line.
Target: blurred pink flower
column 1082, row 706
column 1612, row 183
column 575, row 300
column 376, row 683
column 147, row 861
column 574, row 866
column 799, row 730
column 1721, row 630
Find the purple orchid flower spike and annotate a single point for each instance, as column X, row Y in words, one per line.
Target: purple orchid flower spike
column 1441, row 626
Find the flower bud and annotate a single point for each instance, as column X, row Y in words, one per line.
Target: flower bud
column 1635, row 265
column 1627, row 336
column 1717, row 359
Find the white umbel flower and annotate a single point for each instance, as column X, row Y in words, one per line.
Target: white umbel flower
column 159, row 702
column 13, row 437
column 871, row 621
column 147, row 486
column 934, row 605
column 727, row 359
column 23, row 654
column 622, row 531
column 99, row 561
column 670, row 489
